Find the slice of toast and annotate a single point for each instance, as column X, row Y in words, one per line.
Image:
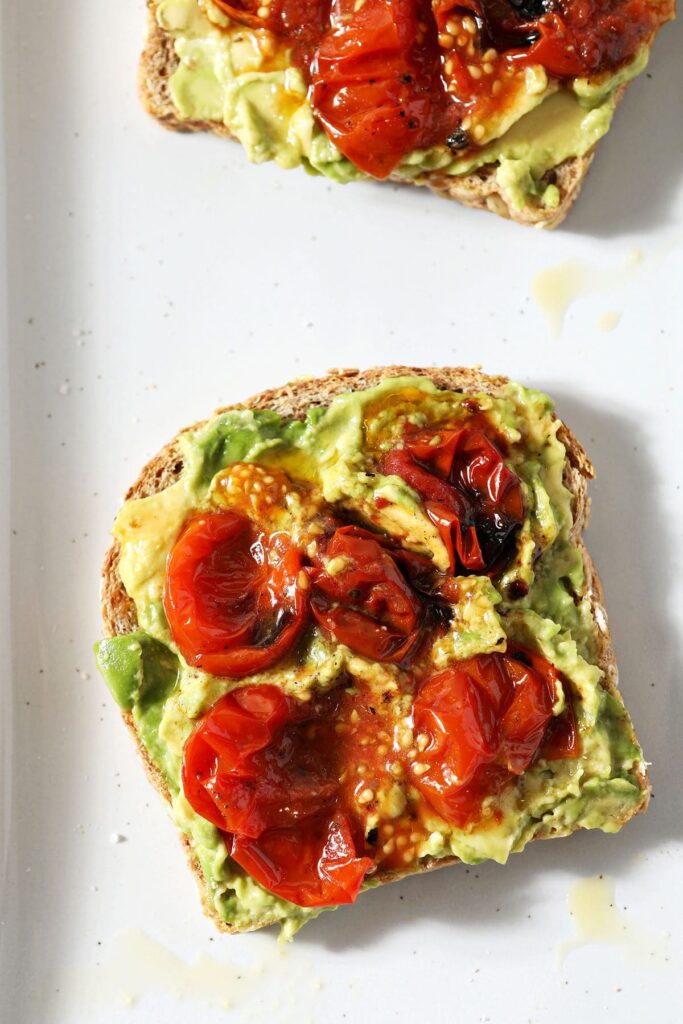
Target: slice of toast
column 479, row 189
column 293, row 401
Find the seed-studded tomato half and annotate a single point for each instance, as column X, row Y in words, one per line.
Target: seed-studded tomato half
column 363, row 600
column 484, row 721
column 234, row 598
column 261, row 767
column 468, row 492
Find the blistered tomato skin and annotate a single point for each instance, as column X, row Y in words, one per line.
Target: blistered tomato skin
column 264, row 768
column 252, row 781
column 376, row 82
column 468, row 492
column 314, row 865
column 483, row 722
column 233, row 596
column 388, row 77
column 361, row 598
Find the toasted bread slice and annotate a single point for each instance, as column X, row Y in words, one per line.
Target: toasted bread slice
column 294, row 400
column 479, row 190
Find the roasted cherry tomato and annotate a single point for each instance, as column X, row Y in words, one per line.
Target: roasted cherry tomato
column 233, row 597
column 364, row 600
column 468, row 492
column 312, row 865
column 484, row 720
column 376, row 81
column 261, row 766
column 561, row 738
column 570, row 37
column 249, row 766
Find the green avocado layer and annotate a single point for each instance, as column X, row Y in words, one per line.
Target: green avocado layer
column 329, row 451
column 224, row 76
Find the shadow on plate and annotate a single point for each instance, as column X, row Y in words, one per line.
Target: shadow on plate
column 635, row 176
column 637, row 168
column 628, row 537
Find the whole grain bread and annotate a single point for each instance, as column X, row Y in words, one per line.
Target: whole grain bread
column 479, row 189
column 293, row 400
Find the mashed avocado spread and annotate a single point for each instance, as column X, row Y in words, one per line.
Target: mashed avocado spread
column 539, row 601
column 231, row 75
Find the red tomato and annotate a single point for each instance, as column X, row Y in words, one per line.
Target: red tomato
column 468, row 492
column 484, row 720
column 262, row 767
column 583, row 37
column 248, row 766
column 567, row 37
column 420, row 572
column 232, row 596
column 296, row 20
column 368, row 604
column 376, row 81
column 561, row 738
column 313, row 865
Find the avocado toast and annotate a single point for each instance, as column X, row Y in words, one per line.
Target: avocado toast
column 502, row 120
column 500, row 595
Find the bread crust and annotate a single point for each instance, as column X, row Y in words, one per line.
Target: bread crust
column 293, row 400
column 479, row 189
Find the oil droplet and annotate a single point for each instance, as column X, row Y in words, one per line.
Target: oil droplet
column 598, row 920
column 556, row 288
column 137, row 967
column 609, row 320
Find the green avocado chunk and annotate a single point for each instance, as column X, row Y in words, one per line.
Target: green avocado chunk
column 138, row 670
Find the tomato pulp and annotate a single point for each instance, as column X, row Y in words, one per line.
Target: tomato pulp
column 388, row 77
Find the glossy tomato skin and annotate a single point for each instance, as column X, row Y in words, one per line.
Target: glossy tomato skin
column 376, row 81
column 571, row 37
column 233, row 597
column 260, row 766
column 313, row 865
column 250, row 758
column 368, row 604
column 484, row 721
column 468, row 492
column 299, row 21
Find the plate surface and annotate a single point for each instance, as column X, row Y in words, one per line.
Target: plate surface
column 151, row 277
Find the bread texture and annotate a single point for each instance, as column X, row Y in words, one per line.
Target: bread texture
column 293, row 400
column 479, row 189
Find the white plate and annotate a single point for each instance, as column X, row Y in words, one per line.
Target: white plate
column 152, row 277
